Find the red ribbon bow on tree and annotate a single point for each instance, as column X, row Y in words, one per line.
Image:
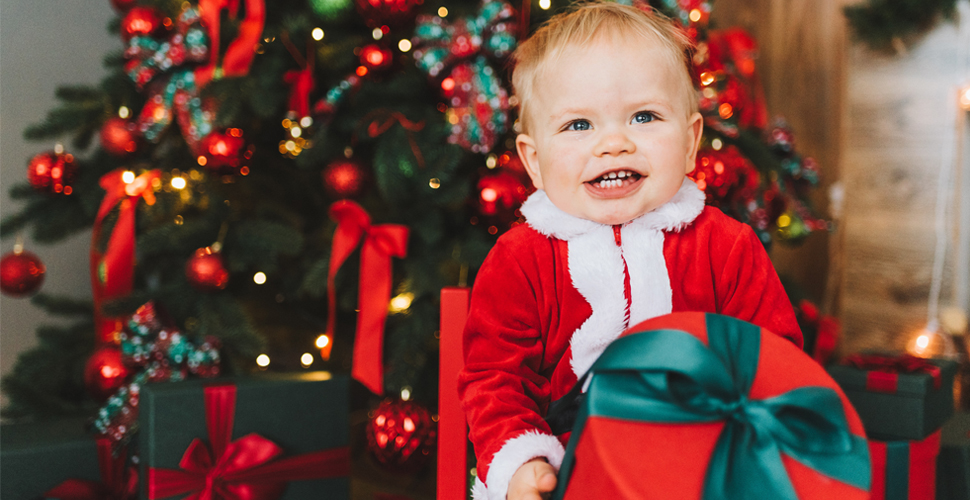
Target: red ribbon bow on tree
column 884, row 371
column 240, row 53
column 113, row 273
column 380, row 243
column 117, row 481
column 249, row 468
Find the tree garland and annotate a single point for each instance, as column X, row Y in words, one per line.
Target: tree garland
column 886, row 24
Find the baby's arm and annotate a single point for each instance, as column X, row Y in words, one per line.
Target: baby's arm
column 502, row 390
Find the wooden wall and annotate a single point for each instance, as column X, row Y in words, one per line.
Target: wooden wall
column 802, row 68
column 877, row 123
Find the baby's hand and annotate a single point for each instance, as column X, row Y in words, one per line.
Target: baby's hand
column 534, row 480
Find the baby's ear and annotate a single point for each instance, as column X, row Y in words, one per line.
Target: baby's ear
column 695, row 130
column 526, row 147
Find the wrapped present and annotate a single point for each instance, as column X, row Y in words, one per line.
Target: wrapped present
column 899, row 397
column 35, row 457
column 702, row 406
column 904, row 470
column 953, row 463
column 273, row 437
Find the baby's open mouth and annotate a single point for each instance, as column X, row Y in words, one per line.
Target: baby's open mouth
column 615, row 179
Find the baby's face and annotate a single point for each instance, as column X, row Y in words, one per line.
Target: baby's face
column 611, row 138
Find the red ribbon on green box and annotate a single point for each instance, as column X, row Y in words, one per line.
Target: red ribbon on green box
column 883, row 371
column 904, row 470
column 249, row 468
column 117, row 481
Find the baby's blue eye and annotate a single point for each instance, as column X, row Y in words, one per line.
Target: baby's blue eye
column 644, row 117
column 578, row 125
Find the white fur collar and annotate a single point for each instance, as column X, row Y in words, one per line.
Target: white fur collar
column 597, row 265
column 681, row 210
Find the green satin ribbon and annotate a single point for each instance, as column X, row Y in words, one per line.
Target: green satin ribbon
column 669, row 376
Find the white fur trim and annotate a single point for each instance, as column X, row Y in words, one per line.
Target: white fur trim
column 596, row 269
column 596, row 265
column 511, row 456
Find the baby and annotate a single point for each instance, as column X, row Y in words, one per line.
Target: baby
column 616, row 234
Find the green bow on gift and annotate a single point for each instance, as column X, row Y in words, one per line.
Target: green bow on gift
column 669, row 376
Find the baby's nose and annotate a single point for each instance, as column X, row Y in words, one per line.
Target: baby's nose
column 614, row 143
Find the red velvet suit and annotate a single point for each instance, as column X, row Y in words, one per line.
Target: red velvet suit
column 532, row 330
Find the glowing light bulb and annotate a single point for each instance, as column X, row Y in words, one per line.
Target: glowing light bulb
column 695, row 15
column 404, row 45
column 317, row 34
column 923, row 341
column 259, row 278
column 262, row 360
column 443, row 11
column 489, row 195
column 306, row 359
column 717, row 144
column 545, row 4
column 322, row 341
column 123, row 112
column 306, row 121
column 401, row 302
column 406, row 393
column 128, row 177
column 377, row 34
column 178, row 182
column 434, row 183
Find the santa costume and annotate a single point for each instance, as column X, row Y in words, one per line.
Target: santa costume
column 555, row 291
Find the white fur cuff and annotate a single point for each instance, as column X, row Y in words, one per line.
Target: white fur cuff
column 514, row 453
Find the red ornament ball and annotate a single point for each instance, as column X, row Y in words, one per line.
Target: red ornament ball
column 118, row 137
column 344, row 179
column 501, row 193
column 223, row 153
column 401, row 435
column 377, row 13
column 21, row 273
column 141, row 21
column 52, row 172
column 206, row 270
column 376, row 57
column 105, row 372
column 123, row 5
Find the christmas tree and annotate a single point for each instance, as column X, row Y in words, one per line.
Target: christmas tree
column 245, row 152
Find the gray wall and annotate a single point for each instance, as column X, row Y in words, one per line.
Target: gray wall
column 43, row 44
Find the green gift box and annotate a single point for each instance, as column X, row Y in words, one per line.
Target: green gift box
column 279, row 436
column 953, row 464
column 898, row 397
column 37, row 456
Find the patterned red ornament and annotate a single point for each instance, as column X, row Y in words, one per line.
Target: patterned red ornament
column 223, row 153
column 374, row 56
column 105, row 372
column 141, row 21
column 52, row 172
column 206, row 270
column 118, row 137
column 377, row 13
column 725, row 176
column 344, row 179
column 401, row 435
column 21, row 273
column 123, row 5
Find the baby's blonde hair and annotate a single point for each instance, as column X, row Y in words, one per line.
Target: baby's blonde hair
column 577, row 27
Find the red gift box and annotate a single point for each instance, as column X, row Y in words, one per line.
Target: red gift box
column 904, row 470
column 762, row 420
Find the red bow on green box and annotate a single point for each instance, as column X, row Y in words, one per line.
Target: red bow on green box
column 883, row 371
column 117, row 481
column 249, row 468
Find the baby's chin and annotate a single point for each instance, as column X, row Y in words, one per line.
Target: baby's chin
column 609, row 218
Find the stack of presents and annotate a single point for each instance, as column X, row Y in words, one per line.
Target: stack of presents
column 919, row 449
column 711, row 407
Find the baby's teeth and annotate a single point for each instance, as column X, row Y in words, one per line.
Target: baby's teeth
column 621, row 175
column 612, row 175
